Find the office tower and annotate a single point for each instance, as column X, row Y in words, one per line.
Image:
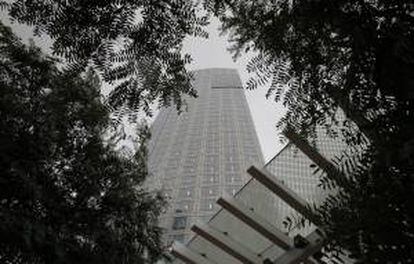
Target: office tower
column 201, row 154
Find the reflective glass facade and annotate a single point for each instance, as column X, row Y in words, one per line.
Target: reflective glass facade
column 198, row 155
column 297, row 171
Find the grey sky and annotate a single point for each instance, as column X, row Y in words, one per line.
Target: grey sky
column 211, row 53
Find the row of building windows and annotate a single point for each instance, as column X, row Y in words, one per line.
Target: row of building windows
column 212, row 191
column 188, row 206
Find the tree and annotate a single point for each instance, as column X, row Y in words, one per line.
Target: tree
column 65, row 195
column 356, row 56
column 134, row 45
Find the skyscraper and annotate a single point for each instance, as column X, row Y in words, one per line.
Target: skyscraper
column 199, row 155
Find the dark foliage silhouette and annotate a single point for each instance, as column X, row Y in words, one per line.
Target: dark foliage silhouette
column 135, row 45
column 355, row 57
column 65, row 195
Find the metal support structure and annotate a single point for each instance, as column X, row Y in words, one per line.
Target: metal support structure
column 242, row 212
column 307, row 149
column 282, row 191
column 331, row 170
column 297, row 250
column 227, row 244
column 316, row 241
column 187, row 255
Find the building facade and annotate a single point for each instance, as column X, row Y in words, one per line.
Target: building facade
column 299, row 173
column 202, row 153
column 250, row 219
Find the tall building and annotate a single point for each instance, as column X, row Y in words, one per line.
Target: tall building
column 201, row 154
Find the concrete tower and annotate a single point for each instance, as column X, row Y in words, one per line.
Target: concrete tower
column 199, row 155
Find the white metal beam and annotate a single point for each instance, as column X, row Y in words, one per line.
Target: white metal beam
column 187, row 255
column 227, row 244
column 247, row 216
column 308, row 150
column 282, row 191
column 332, row 172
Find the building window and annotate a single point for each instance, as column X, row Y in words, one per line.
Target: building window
column 185, row 193
column 180, row 222
column 209, row 178
column 207, row 205
column 189, row 180
column 179, row 238
column 185, row 206
column 208, row 191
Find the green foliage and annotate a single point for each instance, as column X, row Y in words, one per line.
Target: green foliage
column 135, row 45
column 318, row 54
column 355, row 56
column 65, row 195
column 371, row 221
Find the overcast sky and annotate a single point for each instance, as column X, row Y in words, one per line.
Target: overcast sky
column 212, row 53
